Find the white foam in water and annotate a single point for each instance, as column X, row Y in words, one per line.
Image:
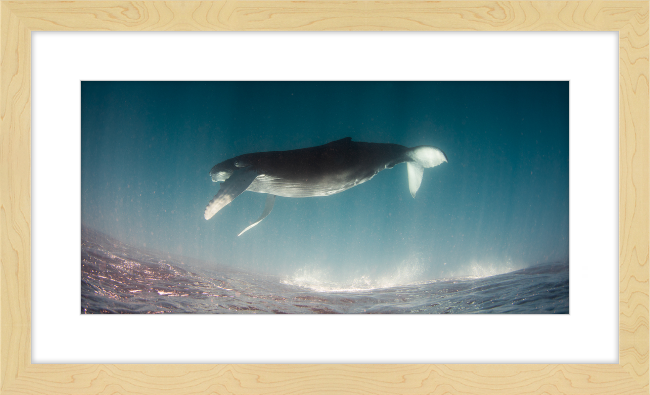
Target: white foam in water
column 483, row 269
column 408, row 272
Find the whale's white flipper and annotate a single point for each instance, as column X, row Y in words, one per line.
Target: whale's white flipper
column 230, row 189
column 421, row 157
column 270, row 200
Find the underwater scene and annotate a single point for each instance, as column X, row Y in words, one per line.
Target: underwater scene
column 325, row 197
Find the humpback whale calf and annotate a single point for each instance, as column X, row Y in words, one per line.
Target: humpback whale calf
column 316, row 171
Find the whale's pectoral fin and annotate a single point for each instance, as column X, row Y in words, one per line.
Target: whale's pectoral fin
column 230, row 189
column 270, row 200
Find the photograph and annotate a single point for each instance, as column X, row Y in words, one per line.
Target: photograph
column 325, row 197
column 229, row 161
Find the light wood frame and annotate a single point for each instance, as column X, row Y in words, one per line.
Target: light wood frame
column 20, row 376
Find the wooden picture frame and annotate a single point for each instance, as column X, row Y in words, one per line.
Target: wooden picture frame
column 19, row 376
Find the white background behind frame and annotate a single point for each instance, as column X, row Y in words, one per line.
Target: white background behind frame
column 60, row 334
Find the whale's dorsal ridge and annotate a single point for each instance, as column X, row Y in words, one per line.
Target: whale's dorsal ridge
column 346, row 140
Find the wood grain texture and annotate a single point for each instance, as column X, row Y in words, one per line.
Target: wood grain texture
column 19, row 376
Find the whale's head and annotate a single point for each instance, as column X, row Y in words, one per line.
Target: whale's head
column 222, row 171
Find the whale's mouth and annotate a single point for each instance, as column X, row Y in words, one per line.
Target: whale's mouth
column 220, row 176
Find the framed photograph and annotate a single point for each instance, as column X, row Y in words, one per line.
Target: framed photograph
column 340, row 143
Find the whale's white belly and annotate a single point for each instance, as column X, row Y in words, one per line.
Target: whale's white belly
column 304, row 188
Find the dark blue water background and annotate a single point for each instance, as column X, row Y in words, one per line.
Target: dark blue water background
column 487, row 231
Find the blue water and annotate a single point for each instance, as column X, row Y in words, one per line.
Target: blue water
column 489, row 229
column 117, row 278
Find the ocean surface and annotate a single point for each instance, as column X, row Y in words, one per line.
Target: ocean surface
column 118, row 278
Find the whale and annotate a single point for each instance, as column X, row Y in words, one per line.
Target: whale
column 315, row 171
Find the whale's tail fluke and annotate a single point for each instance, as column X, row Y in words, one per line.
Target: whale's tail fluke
column 419, row 158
